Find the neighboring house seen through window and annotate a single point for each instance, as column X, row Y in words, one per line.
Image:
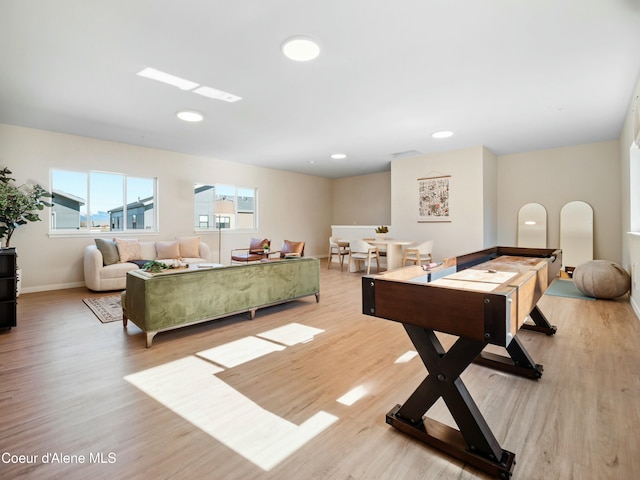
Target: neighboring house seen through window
column 102, row 202
column 224, row 206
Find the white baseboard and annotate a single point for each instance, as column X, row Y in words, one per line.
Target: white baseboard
column 46, row 288
column 635, row 306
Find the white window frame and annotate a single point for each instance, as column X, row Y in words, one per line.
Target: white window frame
column 87, row 230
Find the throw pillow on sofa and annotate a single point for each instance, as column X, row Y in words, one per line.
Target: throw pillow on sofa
column 109, row 251
column 128, row 249
column 189, row 247
column 168, row 250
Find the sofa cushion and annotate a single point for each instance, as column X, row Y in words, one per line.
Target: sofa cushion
column 189, row 247
column 109, row 251
column 168, row 249
column 128, row 249
column 117, row 270
column 148, row 250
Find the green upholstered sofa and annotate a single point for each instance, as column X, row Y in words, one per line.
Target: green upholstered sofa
column 160, row 302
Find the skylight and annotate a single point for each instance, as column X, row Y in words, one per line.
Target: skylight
column 167, row 78
column 188, row 85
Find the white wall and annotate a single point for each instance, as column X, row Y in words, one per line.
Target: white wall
column 362, row 200
column 291, row 206
column 590, row 173
column 466, row 231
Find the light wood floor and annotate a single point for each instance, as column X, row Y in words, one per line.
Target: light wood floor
column 63, row 392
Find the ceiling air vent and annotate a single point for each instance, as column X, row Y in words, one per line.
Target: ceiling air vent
column 406, row 154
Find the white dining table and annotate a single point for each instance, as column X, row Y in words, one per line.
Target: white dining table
column 393, row 248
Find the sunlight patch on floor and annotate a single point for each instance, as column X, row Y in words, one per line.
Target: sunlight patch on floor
column 353, row 396
column 241, row 351
column 291, row 334
column 405, row 357
column 189, row 388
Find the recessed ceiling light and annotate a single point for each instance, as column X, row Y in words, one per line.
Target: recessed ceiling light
column 190, row 116
column 442, row 134
column 167, row 78
column 300, row 49
column 338, row 156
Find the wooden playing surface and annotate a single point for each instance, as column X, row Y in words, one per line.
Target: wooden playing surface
column 477, row 280
column 490, row 275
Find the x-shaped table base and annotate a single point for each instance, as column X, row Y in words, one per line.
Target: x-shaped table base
column 474, row 442
column 540, row 323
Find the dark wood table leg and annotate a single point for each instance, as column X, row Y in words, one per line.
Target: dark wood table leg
column 519, row 362
column 474, row 442
column 541, row 324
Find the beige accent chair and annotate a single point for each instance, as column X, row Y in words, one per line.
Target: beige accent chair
column 254, row 253
column 418, row 254
column 289, row 250
column 337, row 247
column 292, row 249
column 363, row 252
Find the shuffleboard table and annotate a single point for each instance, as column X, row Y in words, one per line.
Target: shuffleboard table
column 482, row 298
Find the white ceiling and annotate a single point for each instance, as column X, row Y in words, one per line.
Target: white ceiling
column 513, row 75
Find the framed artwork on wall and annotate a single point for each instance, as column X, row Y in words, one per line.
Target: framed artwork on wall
column 433, row 199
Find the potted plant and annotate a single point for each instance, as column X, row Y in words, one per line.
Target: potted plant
column 381, row 231
column 19, row 205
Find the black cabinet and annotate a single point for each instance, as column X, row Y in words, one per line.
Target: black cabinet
column 8, row 285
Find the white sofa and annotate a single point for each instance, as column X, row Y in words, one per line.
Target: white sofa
column 100, row 277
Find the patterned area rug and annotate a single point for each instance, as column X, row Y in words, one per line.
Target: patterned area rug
column 107, row 309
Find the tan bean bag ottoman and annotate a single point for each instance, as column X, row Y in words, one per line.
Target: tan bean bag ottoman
column 601, row 279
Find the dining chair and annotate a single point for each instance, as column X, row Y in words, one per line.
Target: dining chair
column 418, row 254
column 338, row 247
column 363, row 252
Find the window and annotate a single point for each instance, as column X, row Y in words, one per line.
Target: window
column 224, row 206
column 102, row 202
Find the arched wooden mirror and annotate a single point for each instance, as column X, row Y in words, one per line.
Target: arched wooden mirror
column 532, row 226
column 576, row 233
